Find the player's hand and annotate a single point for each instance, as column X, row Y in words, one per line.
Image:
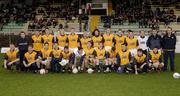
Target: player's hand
column 10, row 63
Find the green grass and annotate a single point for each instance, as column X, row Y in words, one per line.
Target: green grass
column 99, row 84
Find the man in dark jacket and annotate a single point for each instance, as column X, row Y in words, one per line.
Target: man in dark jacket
column 22, row 43
column 154, row 40
column 168, row 46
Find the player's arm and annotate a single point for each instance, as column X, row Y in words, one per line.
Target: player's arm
column 5, row 60
column 16, row 60
column 135, row 66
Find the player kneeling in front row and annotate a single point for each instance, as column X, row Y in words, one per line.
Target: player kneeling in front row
column 101, row 59
column 67, row 60
column 112, row 60
column 89, row 61
column 56, row 58
column 11, row 58
column 78, row 59
column 31, row 61
column 124, row 60
column 140, row 62
column 155, row 60
column 45, row 58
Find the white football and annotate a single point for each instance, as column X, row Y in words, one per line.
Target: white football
column 176, row 75
column 63, row 62
column 42, row 71
column 75, row 71
column 90, row 70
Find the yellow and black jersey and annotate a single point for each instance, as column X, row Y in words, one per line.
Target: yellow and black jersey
column 89, row 52
column 62, row 40
column 37, row 42
column 155, row 57
column 45, row 53
column 100, row 53
column 48, row 39
column 112, row 54
column 30, row 57
column 140, row 59
column 84, row 42
column 125, row 57
column 67, row 55
column 108, row 39
column 73, row 40
column 119, row 40
column 11, row 55
column 131, row 43
column 96, row 41
column 56, row 53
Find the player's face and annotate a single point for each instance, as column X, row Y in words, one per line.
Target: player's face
column 119, row 33
column 55, row 46
column 47, row 32
column 169, row 31
column 96, row 33
column 62, row 31
column 142, row 33
column 46, row 46
column 30, row 49
column 155, row 50
column 66, row 50
column 12, row 47
column 73, row 31
column 100, row 45
column 85, row 35
column 37, row 33
column 89, row 44
column 140, row 53
column 154, row 32
column 22, row 35
column 131, row 34
column 108, row 30
column 123, row 48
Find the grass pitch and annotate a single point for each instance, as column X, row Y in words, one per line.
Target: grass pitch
column 99, row 84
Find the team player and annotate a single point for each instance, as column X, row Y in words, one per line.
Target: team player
column 132, row 43
column 89, row 56
column 31, row 61
column 84, row 40
column 61, row 39
column 11, row 58
column 140, row 62
column 112, row 57
column 56, row 58
column 97, row 38
column 73, row 41
column 37, row 41
column 124, row 60
column 155, row 59
column 101, row 61
column 48, row 38
column 119, row 40
column 142, row 40
column 108, row 39
column 67, row 60
column 45, row 57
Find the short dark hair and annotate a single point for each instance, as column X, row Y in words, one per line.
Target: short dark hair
column 66, row 47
